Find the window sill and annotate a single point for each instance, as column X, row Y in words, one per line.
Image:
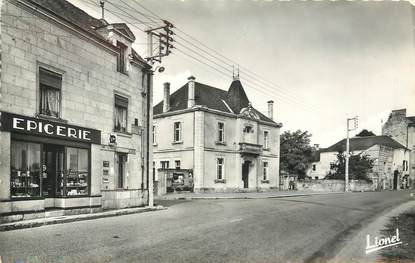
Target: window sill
column 266, row 149
column 220, row 181
column 220, row 143
column 50, row 118
column 125, row 73
column 178, row 142
column 265, row 181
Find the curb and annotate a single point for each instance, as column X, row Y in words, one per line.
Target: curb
column 73, row 218
column 244, row 197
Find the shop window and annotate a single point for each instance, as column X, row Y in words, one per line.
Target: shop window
column 177, row 132
column 265, row 174
column 121, row 109
column 220, row 173
column 77, row 173
column 50, row 84
column 266, row 140
column 25, row 169
column 121, row 65
column 221, row 132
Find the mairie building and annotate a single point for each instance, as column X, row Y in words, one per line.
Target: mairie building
column 207, row 139
column 75, row 104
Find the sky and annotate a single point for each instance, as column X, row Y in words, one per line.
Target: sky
column 322, row 61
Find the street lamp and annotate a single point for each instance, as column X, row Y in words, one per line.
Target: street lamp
column 355, row 125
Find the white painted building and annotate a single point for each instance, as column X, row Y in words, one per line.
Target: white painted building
column 228, row 144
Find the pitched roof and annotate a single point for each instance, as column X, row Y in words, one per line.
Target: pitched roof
column 363, row 143
column 209, row 96
column 78, row 17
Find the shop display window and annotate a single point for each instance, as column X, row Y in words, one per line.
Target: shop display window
column 75, row 181
column 25, row 170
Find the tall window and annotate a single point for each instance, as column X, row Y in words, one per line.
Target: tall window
column 121, row 108
column 220, row 173
column 177, row 162
column 154, row 134
column 221, row 132
column 177, row 131
column 266, row 140
column 25, row 169
column 265, row 175
column 77, row 175
column 50, row 84
column 164, row 164
column 121, row 57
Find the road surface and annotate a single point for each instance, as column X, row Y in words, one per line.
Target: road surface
column 295, row 229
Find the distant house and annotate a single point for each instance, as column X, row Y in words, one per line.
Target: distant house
column 390, row 159
column 218, row 135
column 402, row 129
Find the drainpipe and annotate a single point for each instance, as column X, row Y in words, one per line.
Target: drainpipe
column 149, row 110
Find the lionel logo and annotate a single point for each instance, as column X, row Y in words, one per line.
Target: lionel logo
column 384, row 242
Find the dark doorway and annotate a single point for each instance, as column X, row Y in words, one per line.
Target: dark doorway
column 395, row 179
column 121, row 159
column 245, row 173
column 52, row 170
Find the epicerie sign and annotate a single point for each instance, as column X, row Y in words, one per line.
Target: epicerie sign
column 33, row 126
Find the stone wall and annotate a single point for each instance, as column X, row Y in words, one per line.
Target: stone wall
column 334, row 186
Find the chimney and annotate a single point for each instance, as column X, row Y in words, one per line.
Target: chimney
column 271, row 109
column 191, row 94
column 166, row 97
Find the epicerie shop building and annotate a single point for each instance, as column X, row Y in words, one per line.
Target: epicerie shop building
column 75, row 105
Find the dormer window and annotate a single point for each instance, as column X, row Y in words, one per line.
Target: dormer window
column 248, row 129
column 121, row 60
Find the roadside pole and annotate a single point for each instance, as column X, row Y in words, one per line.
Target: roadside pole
column 346, row 176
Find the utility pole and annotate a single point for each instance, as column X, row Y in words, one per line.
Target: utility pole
column 164, row 36
column 346, row 176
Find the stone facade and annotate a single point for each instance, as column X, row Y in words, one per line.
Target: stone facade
column 200, row 149
column 33, row 38
column 386, row 159
column 402, row 129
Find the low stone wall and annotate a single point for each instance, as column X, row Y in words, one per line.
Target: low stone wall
column 334, row 185
column 116, row 199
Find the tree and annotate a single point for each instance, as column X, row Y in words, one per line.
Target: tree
column 359, row 167
column 365, row 133
column 295, row 152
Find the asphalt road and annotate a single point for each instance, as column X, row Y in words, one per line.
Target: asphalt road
column 295, row 229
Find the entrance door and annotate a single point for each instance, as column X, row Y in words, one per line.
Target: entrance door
column 245, row 173
column 121, row 159
column 52, row 170
column 395, row 179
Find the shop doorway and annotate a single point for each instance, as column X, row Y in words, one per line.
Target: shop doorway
column 52, row 170
column 245, row 173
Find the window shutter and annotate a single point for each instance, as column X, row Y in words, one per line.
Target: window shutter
column 121, row 101
column 50, row 79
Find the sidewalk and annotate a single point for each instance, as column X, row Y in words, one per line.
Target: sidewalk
column 72, row 218
column 248, row 195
